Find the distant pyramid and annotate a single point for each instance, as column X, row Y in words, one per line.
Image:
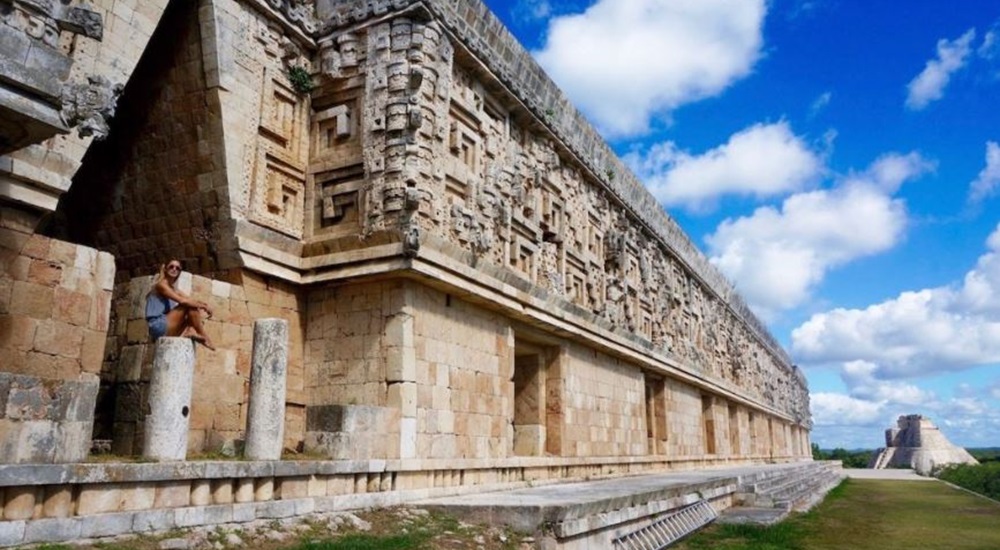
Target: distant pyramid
column 918, row 444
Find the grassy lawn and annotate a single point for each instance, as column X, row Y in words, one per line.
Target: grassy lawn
column 872, row 514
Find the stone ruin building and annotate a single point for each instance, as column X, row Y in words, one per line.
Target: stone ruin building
column 478, row 291
column 917, row 443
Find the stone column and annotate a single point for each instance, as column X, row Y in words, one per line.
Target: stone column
column 169, row 400
column 268, row 375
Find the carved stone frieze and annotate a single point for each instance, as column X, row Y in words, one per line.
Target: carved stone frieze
column 90, row 106
column 565, row 234
column 301, row 13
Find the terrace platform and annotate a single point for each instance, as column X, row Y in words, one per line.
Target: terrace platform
column 648, row 511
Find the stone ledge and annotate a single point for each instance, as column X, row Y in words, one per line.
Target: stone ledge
column 17, row 475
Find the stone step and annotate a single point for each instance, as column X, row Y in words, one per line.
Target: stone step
column 755, row 515
column 762, row 483
column 811, row 494
column 786, row 492
column 784, row 477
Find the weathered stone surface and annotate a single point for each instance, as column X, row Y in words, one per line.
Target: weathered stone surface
column 269, row 370
column 917, row 443
column 53, row 530
column 106, row 525
column 170, row 400
column 11, row 532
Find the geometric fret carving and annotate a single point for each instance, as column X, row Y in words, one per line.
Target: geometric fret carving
column 338, row 201
column 277, row 194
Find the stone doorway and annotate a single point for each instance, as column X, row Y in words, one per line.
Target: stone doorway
column 537, row 406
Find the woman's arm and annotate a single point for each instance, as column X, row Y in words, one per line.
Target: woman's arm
column 169, row 292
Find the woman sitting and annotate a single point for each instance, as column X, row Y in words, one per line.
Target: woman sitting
column 170, row 312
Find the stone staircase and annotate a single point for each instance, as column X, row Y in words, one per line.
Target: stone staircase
column 769, row 496
column 882, row 458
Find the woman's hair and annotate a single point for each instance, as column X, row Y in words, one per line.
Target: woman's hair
column 163, row 269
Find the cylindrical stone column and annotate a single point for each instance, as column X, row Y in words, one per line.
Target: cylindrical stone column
column 166, row 434
column 268, row 374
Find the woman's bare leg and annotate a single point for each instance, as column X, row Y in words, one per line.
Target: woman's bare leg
column 186, row 322
column 194, row 320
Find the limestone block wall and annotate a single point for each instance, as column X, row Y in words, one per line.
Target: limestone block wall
column 346, row 348
column 742, row 440
column 352, row 335
column 603, row 407
column 221, row 383
column 442, row 364
column 684, row 421
column 445, row 378
column 760, row 436
column 464, row 368
column 54, row 311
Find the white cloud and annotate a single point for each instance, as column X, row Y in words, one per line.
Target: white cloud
column 994, row 390
column 990, row 47
column 762, row 160
column 820, row 103
column 986, row 183
column 833, row 409
column 861, row 378
column 625, row 62
column 858, row 417
column 929, row 85
column 532, row 10
column 777, row 256
column 844, row 420
column 918, row 332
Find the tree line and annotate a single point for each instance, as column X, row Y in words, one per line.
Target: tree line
column 850, row 459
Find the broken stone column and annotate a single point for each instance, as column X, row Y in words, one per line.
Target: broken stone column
column 169, row 400
column 268, row 375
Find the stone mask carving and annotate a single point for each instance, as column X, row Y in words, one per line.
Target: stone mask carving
column 90, row 106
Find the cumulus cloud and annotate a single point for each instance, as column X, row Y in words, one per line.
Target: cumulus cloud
column 861, row 378
column 625, row 62
column 776, row 256
column 843, row 420
column 857, row 417
column 917, row 333
column 929, row 85
column 832, row 409
column 762, row 160
column 985, row 185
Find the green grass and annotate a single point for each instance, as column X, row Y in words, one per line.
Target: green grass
column 875, row 515
column 413, row 541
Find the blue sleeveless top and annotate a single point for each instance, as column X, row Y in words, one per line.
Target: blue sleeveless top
column 157, row 305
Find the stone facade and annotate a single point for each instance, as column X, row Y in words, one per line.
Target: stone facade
column 917, row 443
column 466, row 268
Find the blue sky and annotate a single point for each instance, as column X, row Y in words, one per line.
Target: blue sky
column 838, row 160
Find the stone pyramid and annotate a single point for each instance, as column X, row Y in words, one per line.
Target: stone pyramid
column 917, row 443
